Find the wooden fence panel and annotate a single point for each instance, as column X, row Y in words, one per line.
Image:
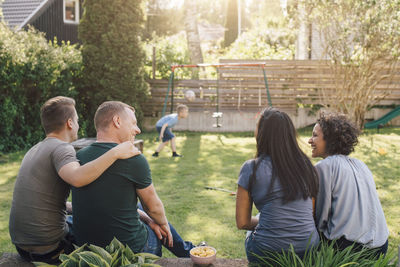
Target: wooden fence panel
column 291, row 83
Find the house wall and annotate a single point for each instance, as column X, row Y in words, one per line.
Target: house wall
column 52, row 24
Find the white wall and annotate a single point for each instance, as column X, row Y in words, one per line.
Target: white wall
column 235, row 121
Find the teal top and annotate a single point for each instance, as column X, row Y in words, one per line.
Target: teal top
column 108, row 206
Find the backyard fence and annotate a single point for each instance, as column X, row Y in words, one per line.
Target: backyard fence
column 291, row 84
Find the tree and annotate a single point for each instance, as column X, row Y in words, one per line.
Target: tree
column 192, row 32
column 231, row 24
column 112, row 54
column 362, row 40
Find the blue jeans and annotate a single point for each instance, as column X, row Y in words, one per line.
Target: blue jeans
column 255, row 254
column 153, row 245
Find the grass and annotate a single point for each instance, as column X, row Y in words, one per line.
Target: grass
column 215, row 160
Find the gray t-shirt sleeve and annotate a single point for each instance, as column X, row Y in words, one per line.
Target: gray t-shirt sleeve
column 244, row 174
column 62, row 155
column 324, row 198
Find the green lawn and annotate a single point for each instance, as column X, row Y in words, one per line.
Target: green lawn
column 215, row 160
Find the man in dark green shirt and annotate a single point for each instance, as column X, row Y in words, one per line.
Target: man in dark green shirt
column 107, row 208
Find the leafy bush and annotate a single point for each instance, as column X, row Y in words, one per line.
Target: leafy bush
column 327, row 256
column 170, row 50
column 112, row 55
column 263, row 44
column 115, row 255
column 32, row 70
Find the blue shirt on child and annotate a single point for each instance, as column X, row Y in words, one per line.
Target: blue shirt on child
column 171, row 119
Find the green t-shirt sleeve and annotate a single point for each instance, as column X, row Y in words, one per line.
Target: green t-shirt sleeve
column 139, row 171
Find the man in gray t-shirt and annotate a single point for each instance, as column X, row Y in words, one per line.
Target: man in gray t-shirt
column 37, row 224
column 38, row 210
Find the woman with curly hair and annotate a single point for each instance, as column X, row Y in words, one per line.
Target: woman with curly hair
column 281, row 181
column 348, row 209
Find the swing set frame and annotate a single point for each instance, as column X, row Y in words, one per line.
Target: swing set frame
column 216, row 114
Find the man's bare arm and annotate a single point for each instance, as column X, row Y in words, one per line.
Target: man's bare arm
column 155, row 209
column 77, row 175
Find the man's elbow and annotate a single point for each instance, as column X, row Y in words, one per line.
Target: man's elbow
column 241, row 225
column 76, row 182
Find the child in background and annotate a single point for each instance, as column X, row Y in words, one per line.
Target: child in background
column 164, row 126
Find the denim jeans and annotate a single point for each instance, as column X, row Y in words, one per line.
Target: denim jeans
column 180, row 247
column 257, row 255
column 65, row 246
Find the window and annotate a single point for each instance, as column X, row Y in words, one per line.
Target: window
column 71, row 11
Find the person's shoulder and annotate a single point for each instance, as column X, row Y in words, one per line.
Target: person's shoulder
column 57, row 145
column 330, row 161
column 136, row 160
column 359, row 163
column 327, row 163
column 247, row 165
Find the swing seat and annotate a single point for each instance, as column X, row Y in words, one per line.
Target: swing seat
column 217, row 115
column 217, row 125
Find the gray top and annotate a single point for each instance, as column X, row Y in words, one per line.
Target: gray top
column 38, row 209
column 280, row 224
column 347, row 204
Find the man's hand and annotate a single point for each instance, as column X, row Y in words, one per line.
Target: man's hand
column 126, row 150
column 160, row 233
column 168, row 240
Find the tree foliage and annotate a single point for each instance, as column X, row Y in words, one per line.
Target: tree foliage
column 112, row 54
column 32, row 70
column 362, row 40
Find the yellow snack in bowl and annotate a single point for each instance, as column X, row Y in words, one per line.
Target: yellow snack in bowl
column 202, row 252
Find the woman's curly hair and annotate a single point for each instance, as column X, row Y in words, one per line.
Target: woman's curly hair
column 340, row 134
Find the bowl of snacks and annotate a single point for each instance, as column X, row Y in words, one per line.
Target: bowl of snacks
column 203, row 255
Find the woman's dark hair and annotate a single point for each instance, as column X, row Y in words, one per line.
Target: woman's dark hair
column 340, row 134
column 277, row 137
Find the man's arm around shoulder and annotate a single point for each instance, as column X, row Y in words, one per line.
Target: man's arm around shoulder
column 78, row 176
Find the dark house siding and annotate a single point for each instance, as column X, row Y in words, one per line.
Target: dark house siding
column 51, row 22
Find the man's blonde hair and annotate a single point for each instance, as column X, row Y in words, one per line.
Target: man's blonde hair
column 106, row 111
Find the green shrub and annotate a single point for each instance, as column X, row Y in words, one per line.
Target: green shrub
column 170, row 50
column 327, row 256
column 32, row 70
column 112, row 55
column 115, row 255
column 263, row 44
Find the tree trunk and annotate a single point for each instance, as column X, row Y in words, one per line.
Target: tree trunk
column 192, row 32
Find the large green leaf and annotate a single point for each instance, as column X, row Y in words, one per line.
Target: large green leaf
column 116, row 258
column 83, row 263
column 116, row 245
column 148, row 256
column 74, row 253
column 43, row 264
column 92, row 259
column 129, row 254
column 124, row 260
column 69, row 263
column 102, row 252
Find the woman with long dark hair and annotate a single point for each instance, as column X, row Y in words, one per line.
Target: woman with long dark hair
column 281, row 182
column 348, row 209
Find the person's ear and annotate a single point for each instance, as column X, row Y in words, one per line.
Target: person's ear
column 69, row 123
column 117, row 121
